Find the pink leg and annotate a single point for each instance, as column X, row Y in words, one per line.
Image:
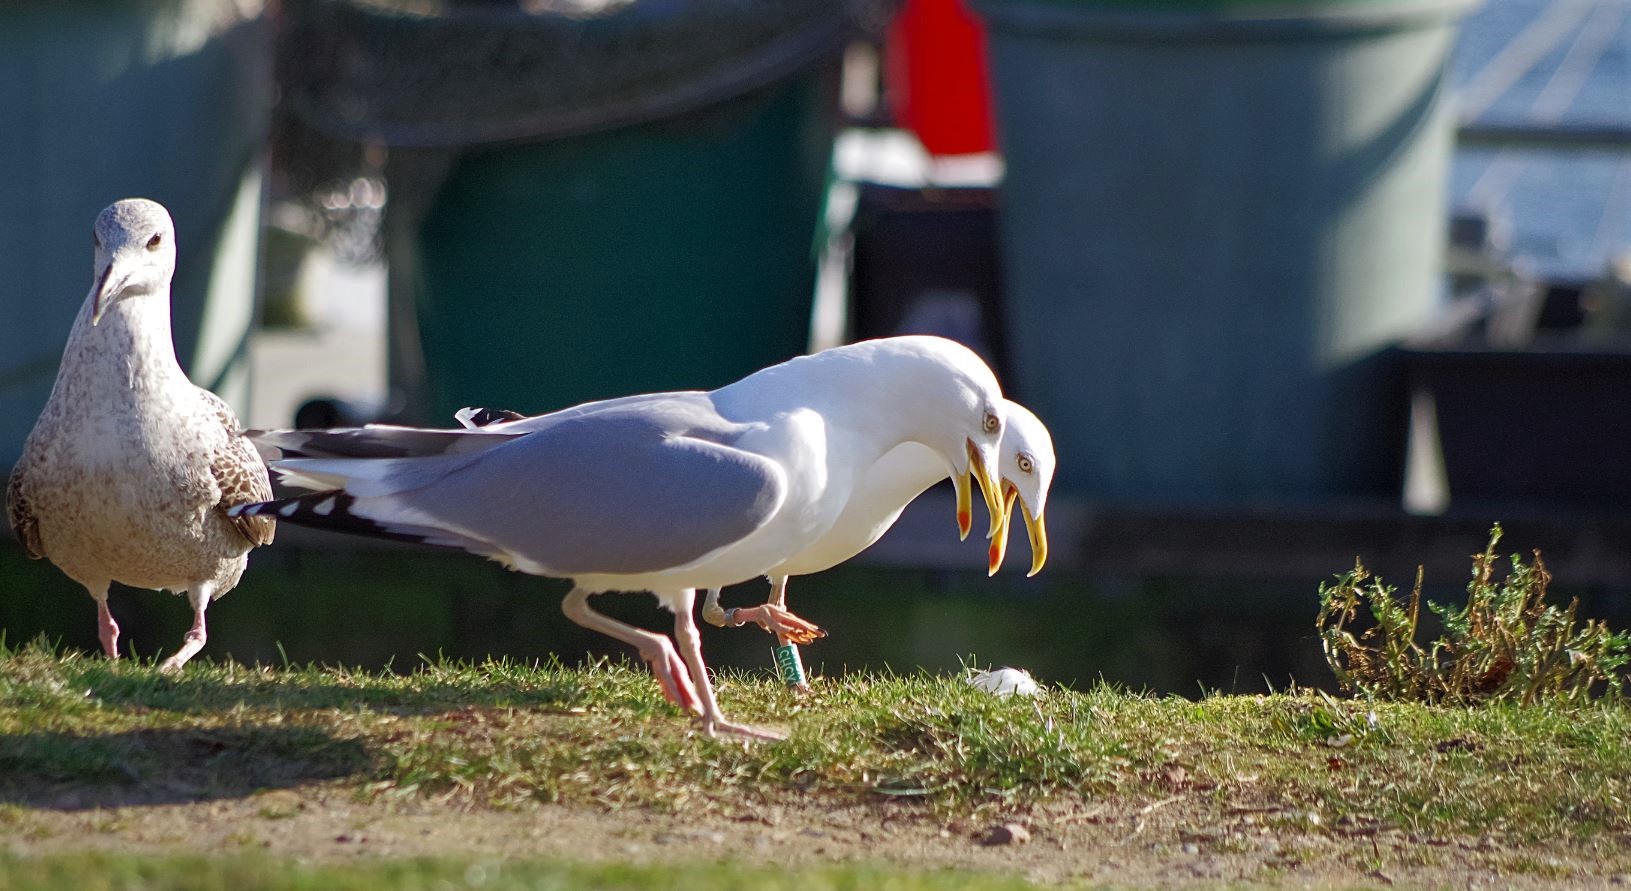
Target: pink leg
column 106, row 628
column 712, row 613
column 197, row 635
column 654, row 648
column 690, row 644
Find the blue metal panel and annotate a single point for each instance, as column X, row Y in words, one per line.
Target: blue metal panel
column 1213, row 226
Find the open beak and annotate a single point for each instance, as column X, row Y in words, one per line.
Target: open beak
column 999, row 545
column 988, row 487
column 101, row 301
column 965, row 506
column 1038, row 533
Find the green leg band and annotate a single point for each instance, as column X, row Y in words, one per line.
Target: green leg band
column 789, row 663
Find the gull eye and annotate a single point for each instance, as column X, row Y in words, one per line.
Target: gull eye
column 992, row 422
column 154, row 242
column 1026, row 465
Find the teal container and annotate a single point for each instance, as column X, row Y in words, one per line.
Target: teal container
column 586, row 200
column 673, row 254
column 163, row 99
column 1217, row 218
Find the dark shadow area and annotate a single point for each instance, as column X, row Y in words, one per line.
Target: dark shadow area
column 68, row 771
column 197, row 694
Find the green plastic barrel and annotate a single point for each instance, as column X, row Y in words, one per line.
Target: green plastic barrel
column 163, row 99
column 587, row 200
column 674, row 254
column 1217, row 218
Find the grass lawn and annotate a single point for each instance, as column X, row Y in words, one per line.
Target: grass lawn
column 126, row 873
column 97, row 756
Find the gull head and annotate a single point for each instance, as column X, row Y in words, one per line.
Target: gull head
column 962, row 418
column 135, row 244
column 1025, row 463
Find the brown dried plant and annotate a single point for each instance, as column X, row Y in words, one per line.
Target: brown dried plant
column 1506, row 643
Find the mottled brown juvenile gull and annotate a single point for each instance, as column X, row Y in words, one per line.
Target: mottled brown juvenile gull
column 129, row 471
column 664, row 492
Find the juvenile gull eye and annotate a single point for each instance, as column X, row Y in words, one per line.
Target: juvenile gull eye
column 154, row 242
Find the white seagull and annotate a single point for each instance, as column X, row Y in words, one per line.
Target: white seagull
column 665, row 492
column 129, row 471
column 1025, row 466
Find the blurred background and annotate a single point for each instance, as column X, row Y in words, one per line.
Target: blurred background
column 1291, row 285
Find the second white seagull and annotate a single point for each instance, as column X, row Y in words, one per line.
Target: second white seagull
column 664, row 493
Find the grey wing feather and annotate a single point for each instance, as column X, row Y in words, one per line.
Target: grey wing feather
column 621, row 492
column 492, row 425
column 499, row 420
column 373, row 441
column 21, row 516
column 241, row 476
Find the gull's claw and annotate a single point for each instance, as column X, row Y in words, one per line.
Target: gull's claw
column 787, row 627
column 719, row 729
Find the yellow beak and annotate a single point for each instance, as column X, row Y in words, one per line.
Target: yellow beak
column 989, row 489
column 999, row 545
column 1039, row 540
column 965, row 506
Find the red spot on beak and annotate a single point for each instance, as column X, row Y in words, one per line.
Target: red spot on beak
column 965, row 521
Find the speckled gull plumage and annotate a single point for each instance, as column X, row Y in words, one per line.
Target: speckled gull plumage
column 129, row 471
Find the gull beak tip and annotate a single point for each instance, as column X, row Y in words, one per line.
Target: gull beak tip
column 1037, row 530
column 999, row 544
column 965, row 506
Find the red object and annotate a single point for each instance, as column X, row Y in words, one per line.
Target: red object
column 936, row 77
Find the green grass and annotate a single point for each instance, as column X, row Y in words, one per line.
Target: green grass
column 100, row 872
column 506, row 735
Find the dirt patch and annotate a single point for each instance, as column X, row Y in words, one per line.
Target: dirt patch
column 1183, row 840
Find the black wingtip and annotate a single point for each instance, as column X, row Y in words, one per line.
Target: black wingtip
column 475, row 416
column 330, row 510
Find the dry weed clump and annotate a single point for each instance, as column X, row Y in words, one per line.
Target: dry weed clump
column 1507, row 643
